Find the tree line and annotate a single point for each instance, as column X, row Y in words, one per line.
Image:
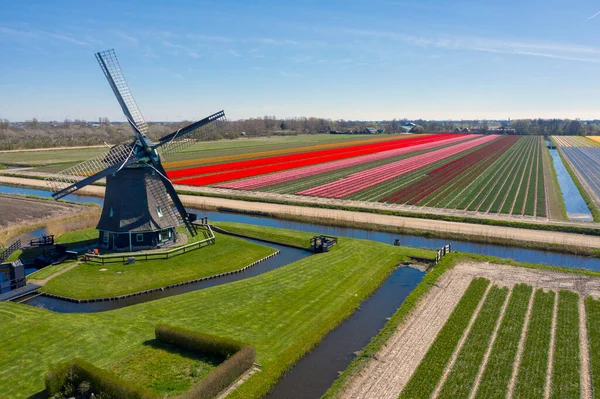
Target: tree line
column 36, row 134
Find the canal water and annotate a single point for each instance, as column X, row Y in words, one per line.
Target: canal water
column 577, row 209
column 517, row 254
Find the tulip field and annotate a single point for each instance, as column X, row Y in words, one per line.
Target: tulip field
column 486, row 174
column 583, row 156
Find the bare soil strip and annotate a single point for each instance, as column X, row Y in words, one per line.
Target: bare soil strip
column 460, row 345
column 517, row 363
column 551, row 351
column 486, row 357
column 584, row 352
column 386, row 375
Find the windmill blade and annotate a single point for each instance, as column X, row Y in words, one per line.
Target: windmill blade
column 87, row 172
column 185, row 137
column 112, row 70
column 183, row 216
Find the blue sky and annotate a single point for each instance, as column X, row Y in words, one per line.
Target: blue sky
column 372, row 60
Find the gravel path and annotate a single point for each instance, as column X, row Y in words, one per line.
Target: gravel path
column 386, row 375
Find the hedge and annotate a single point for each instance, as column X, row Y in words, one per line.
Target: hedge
column 77, row 371
column 240, row 358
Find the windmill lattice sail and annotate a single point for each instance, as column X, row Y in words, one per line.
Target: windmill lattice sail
column 192, row 134
column 116, row 157
column 112, row 70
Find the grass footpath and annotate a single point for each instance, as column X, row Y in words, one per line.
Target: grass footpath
column 430, row 370
column 496, row 377
column 462, row 376
column 283, row 314
column 531, row 379
column 566, row 371
column 88, row 281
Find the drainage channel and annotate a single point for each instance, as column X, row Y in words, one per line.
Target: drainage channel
column 286, row 256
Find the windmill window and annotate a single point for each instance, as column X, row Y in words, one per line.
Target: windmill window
column 110, row 213
column 139, row 237
column 159, row 211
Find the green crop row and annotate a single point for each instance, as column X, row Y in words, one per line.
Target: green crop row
column 531, row 379
column 566, row 370
column 593, row 323
column 482, row 183
column 464, row 371
column 426, row 376
column 496, row 377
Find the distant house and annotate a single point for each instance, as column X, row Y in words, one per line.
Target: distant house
column 407, row 126
column 370, row 130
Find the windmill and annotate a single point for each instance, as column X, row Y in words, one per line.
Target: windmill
column 141, row 207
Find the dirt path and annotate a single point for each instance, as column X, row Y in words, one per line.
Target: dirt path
column 584, row 352
column 548, row 388
column 508, row 233
column 386, row 375
column 50, row 277
column 53, row 148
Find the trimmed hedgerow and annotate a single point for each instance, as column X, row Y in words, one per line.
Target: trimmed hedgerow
column 239, row 358
column 70, row 375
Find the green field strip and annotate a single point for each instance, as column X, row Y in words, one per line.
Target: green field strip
column 592, row 308
column 425, row 378
column 463, row 198
column 519, row 201
column 502, row 205
column 566, row 370
column 496, row 377
column 530, row 196
column 531, row 378
column 492, row 184
column 461, row 379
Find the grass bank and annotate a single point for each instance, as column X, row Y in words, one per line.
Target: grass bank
column 92, row 280
column 281, row 236
column 283, row 314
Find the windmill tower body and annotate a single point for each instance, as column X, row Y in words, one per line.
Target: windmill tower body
column 141, row 207
column 137, row 212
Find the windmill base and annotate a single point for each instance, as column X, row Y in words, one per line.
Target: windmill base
column 136, row 241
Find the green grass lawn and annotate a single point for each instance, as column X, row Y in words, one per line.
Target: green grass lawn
column 49, row 270
column 282, row 313
column 87, row 281
column 164, row 369
column 283, row 236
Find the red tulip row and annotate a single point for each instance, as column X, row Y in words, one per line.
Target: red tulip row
column 212, row 174
column 294, row 174
column 459, row 168
column 371, row 177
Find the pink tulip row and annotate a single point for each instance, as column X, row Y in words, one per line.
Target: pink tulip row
column 371, row 177
column 294, row 174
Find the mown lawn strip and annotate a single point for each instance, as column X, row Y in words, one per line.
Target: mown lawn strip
column 497, row 374
column 425, row 378
column 462, row 376
column 531, row 379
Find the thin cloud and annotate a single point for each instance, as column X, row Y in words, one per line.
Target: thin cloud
column 130, row 39
column 67, row 39
column 593, row 16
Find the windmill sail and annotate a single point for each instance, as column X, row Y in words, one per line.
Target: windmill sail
column 189, row 135
column 112, row 70
column 87, row 172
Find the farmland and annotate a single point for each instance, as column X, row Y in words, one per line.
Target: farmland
column 583, row 158
column 512, row 332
